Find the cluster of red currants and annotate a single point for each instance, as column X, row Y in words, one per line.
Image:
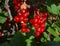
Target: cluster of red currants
column 17, row 4
column 22, row 16
column 38, row 22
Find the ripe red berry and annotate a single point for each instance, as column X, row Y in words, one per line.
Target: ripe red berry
column 21, row 18
column 42, row 29
column 16, row 19
column 37, row 16
column 37, row 33
column 9, row 24
column 15, row 2
column 35, row 20
column 19, row 14
column 16, row 7
column 31, row 21
column 23, row 30
column 19, row 4
column 24, row 11
column 26, row 14
column 26, row 30
column 38, row 29
column 35, row 25
column 23, row 24
column 44, row 14
column 25, row 20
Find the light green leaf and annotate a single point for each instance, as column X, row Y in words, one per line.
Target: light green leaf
column 57, row 39
column 0, row 10
column 2, row 19
column 32, row 37
column 54, row 9
column 5, row 13
column 28, row 41
column 56, row 26
column 52, row 31
column 58, row 7
column 46, row 36
column 42, row 39
column 49, row 9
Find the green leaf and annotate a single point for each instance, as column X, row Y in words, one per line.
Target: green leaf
column 57, row 39
column 5, row 44
column 5, row 13
column 0, row 10
column 9, row 38
column 54, row 9
column 28, row 42
column 2, row 19
column 0, row 27
column 58, row 7
column 42, row 39
column 49, row 9
column 31, row 37
column 18, row 40
column 46, row 36
column 56, row 26
column 52, row 31
column 58, row 20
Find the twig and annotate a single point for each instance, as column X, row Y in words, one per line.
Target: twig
column 16, row 26
column 13, row 30
column 7, row 8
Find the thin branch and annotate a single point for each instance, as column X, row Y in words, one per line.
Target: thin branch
column 7, row 8
column 16, row 26
column 13, row 30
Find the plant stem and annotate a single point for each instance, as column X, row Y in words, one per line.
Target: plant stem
column 7, row 8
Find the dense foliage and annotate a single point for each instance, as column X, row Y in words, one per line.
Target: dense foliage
column 29, row 23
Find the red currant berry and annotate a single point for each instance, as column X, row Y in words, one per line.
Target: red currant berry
column 27, row 30
column 23, row 24
column 42, row 29
column 37, row 33
column 38, row 29
column 37, row 16
column 15, row 1
column 35, row 25
column 35, row 20
column 31, row 21
column 26, row 14
column 16, row 19
column 19, row 14
column 23, row 30
column 24, row 11
column 16, row 7
column 21, row 18
column 19, row 4
column 25, row 20
column 9, row 24
column 44, row 14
